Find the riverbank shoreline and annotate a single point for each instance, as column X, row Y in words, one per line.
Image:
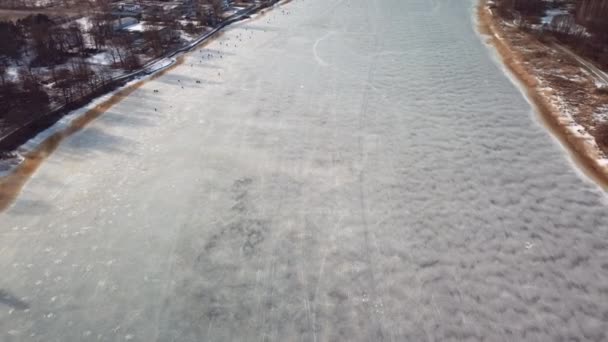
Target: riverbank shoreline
column 544, row 95
column 36, row 150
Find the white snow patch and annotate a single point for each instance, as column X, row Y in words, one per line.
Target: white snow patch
column 102, row 58
column 8, row 164
column 600, row 84
column 551, row 13
column 85, row 23
column 12, row 72
column 580, row 131
column 139, row 27
column 159, row 65
column 186, row 37
column 43, row 3
column 601, row 114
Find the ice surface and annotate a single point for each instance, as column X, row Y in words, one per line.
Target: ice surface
column 399, row 190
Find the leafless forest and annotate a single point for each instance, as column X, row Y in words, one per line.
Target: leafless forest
column 581, row 24
column 57, row 52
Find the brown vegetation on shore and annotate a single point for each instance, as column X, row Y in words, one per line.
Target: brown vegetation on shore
column 547, row 76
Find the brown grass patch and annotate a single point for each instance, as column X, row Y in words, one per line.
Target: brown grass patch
column 601, row 134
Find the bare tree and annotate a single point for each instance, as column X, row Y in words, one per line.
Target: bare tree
column 522, row 7
column 64, row 82
column 122, row 45
column 12, row 40
column 601, row 134
column 154, row 40
column 76, row 38
column 3, row 70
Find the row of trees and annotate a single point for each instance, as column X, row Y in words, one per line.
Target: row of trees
column 593, row 14
column 521, row 7
column 50, row 43
column 19, row 99
column 28, row 93
column 12, row 40
column 33, row 4
column 586, row 30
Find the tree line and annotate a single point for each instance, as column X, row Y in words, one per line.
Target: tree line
column 585, row 29
column 33, row 4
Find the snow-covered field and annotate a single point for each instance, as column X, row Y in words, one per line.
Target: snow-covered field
column 333, row 170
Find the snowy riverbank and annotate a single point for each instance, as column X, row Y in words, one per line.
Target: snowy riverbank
column 9, row 161
column 565, row 96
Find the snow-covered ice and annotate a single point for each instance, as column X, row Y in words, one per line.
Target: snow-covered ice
column 278, row 186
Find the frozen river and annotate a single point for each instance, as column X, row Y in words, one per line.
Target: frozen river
column 347, row 170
